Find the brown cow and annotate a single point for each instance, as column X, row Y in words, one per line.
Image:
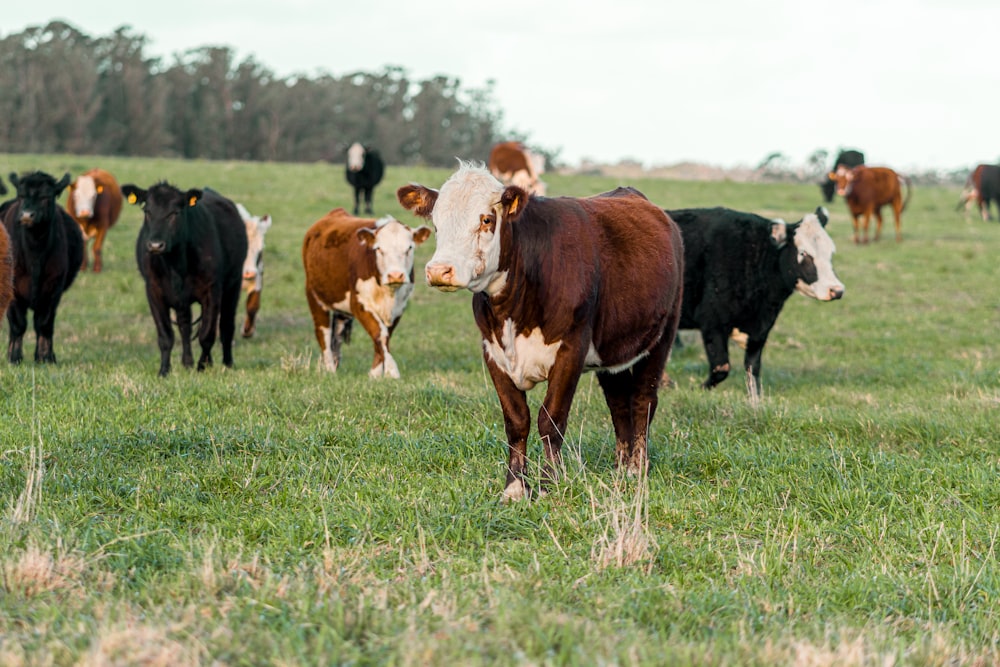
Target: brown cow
column 867, row 190
column 95, row 202
column 560, row 286
column 6, row 270
column 982, row 187
column 359, row 268
column 513, row 164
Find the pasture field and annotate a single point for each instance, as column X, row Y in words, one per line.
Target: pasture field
column 276, row 515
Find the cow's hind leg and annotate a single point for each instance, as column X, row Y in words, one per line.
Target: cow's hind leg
column 878, row 224
column 897, row 211
column 17, row 323
column 227, row 322
column 357, row 200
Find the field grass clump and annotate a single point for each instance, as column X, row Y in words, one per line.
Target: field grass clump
column 276, row 514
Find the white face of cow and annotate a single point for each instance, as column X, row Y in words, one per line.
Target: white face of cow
column 815, row 251
column 84, row 196
column 355, row 157
column 394, row 244
column 253, row 264
column 467, row 216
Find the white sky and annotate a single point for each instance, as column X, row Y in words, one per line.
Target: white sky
column 912, row 83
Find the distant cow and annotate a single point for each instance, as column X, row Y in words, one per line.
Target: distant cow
column 982, row 187
column 364, row 171
column 95, row 202
column 560, row 286
column 867, row 190
column 845, row 160
column 190, row 250
column 359, row 268
column 47, row 250
column 739, row 268
column 513, row 164
column 6, row 270
column 253, row 265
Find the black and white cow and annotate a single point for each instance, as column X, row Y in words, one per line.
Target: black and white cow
column 364, row 171
column 739, row 269
column 190, row 249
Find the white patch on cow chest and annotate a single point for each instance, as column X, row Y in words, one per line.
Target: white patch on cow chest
column 525, row 359
column 384, row 304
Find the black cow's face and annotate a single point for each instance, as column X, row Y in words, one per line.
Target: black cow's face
column 38, row 193
column 163, row 213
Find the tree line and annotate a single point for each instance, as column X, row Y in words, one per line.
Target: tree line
column 66, row 92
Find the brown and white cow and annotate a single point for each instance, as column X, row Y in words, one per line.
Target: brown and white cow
column 514, row 164
column 560, row 286
column 982, row 188
column 95, row 202
column 867, row 190
column 359, row 269
column 253, row 265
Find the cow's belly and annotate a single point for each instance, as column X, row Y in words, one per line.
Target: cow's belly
column 593, row 361
column 525, row 359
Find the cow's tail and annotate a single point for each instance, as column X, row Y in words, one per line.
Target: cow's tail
column 909, row 190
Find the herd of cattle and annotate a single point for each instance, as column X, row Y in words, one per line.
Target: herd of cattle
column 560, row 285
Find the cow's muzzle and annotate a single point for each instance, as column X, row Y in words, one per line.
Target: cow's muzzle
column 155, row 247
column 441, row 276
column 836, row 293
column 395, row 280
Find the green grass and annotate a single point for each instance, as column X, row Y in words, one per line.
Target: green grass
column 275, row 514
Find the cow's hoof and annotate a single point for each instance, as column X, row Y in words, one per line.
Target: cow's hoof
column 516, row 490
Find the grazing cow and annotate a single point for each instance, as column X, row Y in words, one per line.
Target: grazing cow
column 513, row 164
column 982, row 187
column 739, row 268
column 190, row 250
column 867, row 190
column 560, row 286
column 253, row 265
column 359, row 268
column 364, row 172
column 46, row 247
column 845, row 159
column 95, row 202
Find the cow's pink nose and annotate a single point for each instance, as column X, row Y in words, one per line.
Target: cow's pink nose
column 249, row 275
column 440, row 275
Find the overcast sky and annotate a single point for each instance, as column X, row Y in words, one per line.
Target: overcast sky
column 912, row 83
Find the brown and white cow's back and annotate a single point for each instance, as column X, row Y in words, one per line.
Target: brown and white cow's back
column 359, row 268
column 561, row 286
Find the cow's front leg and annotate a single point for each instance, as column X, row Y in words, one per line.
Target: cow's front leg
column 98, row 250
column 206, row 332
column 878, row 223
column 253, row 306
column 184, row 331
column 17, row 323
column 164, row 334
column 717, row 350
column 383, row 365
column 751, row 364
column 564, row 376
column 517, row 424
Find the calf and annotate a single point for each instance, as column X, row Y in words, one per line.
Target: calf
column 739, row 269
column 982, row 187
column 364, row 171
column 46, row 247
column 95, row 202
column 190, row 250
column 560, row 286
column 867, row 190
column 253, row 265
column 359, row 268
column 513, row 164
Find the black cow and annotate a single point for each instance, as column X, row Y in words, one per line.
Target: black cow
column 47, row 250
column 190, row 249
column 739, row 268
column 364, row 171
column 847, row 159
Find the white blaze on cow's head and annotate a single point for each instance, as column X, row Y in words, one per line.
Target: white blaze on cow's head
column 844, row 178
column 810, row 267
column 394, row 244
column 85, row 192
column 355, row 157
column 253, row 264
column 468, row 213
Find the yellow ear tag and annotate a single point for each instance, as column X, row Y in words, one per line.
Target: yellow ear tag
column 100, row 189
column 193, row 201
column 132, row 198
column 514, row 204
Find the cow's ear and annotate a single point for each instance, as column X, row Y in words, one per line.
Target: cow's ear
column 779, row 233
column 417, row 199
column 823, row 215
column 134, row 194
column 14, row 180
column 367, row 236
column 512, row 201
column 192, row 196
column 63, row 182
column 421, row 234
column 832, row 175
column 264, row 224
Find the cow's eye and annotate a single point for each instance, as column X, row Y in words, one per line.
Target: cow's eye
column 487, row 223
